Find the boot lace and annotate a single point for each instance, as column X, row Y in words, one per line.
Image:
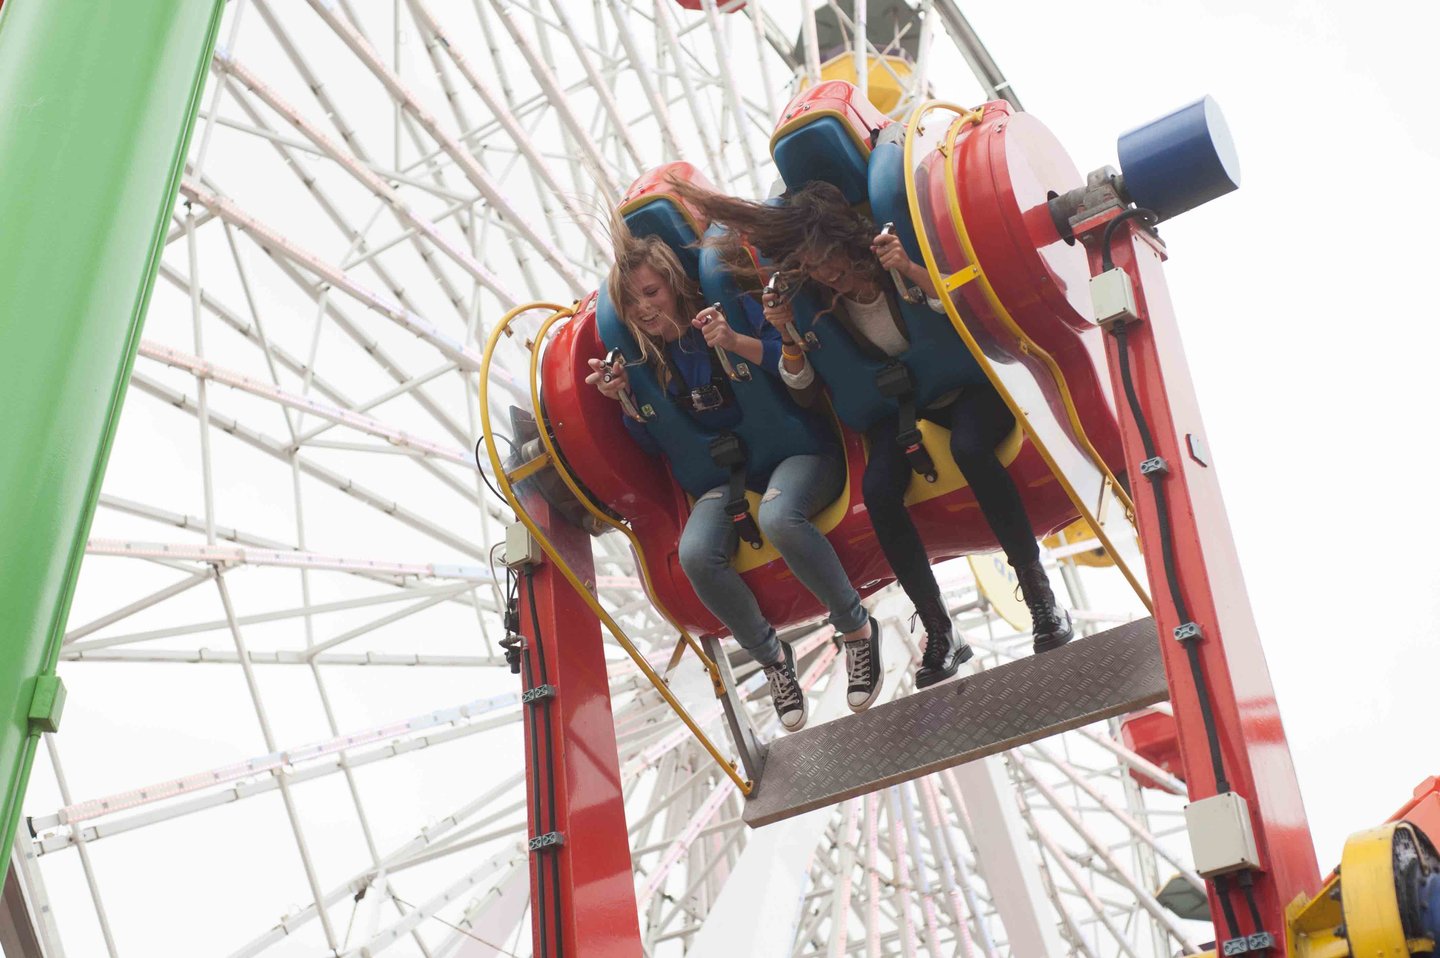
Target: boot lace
column 1041, row 604
column 937, row 638
column 784, row 688
column 1044, row 615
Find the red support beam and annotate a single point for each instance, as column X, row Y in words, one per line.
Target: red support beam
column 1256, row 757
column 596, row 889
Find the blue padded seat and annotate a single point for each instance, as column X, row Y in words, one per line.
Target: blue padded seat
column 938, row 360
column 661, row 217
column 823, row 150
column 772, row 427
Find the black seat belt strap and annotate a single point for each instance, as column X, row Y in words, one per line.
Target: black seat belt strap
column 909, row 439
column 893, row 381
column 728, row 452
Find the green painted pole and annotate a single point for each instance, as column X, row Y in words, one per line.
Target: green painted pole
column 97, row 102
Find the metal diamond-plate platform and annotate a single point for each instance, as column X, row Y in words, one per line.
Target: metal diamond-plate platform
column 1107, row 674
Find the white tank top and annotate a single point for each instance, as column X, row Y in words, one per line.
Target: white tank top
column 873, row 321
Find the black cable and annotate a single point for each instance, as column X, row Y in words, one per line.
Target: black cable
column 1135, row 212
column 1247, row 885
column 554, row 853
column 1167, row 558
column 486, row 479
column 534, row 736
column 1172, row 577
column 1222, row 891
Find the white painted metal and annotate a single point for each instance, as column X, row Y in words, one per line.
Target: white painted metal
column 1007, row 859
column 301, row 432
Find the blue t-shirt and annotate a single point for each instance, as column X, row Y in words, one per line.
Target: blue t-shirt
column 695, row 362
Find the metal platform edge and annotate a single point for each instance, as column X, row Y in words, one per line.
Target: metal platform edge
column 1139, row 683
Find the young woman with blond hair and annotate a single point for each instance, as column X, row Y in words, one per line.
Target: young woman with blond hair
column 678, row 336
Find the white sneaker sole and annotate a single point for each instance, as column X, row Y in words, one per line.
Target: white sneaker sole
column 874, row 694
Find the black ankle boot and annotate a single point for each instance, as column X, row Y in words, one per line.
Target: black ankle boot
column 944, row 650
column 1050, row 623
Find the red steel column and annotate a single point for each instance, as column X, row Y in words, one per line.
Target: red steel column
column 598, row 915
column 1252, row 740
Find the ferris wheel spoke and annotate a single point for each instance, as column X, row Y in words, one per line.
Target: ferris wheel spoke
column 463, row 159
column 1142, row 895
column 560, row 103
column 373, row 182
column 83, row 649
column 458, row 182
column 1121, row 815
column 281, row 451
column 539, row 167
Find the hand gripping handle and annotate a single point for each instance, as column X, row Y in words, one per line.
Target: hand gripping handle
column 911, row 294
column 614, row 359
column 779, row 294
column 725, row 363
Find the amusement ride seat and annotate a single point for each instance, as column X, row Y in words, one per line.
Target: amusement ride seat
column 826, row 132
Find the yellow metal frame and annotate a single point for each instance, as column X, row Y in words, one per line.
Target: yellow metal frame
column 975, row 273
column 1367, row 893
column 504, row 481
column 1367, row 906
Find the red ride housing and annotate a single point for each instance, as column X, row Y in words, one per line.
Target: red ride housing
column 1006, row 166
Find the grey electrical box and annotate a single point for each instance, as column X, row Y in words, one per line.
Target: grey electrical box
column 521, row 549
column 1113, row 296
column 1221, row 839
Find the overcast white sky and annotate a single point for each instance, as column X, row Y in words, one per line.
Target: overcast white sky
column 1322, row 443
column 1307, row 308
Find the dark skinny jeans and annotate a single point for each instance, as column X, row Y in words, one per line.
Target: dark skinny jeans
column 978, row 420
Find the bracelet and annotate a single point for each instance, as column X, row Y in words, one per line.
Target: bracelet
column 791, row 352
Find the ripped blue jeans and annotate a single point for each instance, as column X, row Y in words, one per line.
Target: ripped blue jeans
column 799, row 487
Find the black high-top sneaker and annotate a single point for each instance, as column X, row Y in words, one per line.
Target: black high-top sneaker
column 944, row 650
column 785, row 691
column 864, row 670
column 1051, row 624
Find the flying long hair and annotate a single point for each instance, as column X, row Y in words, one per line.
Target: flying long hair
column 808, row 225
column 631, row 253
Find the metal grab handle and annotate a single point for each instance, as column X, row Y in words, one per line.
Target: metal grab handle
column 773, row 289
column 911, row 294
column 725, row 363
column 613, row 359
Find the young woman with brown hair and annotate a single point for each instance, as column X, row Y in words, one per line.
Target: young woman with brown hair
column 815, row 234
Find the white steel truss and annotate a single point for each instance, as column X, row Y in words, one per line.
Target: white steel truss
column 295, row 483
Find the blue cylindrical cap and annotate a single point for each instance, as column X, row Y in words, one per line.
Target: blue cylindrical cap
column 1181, row 160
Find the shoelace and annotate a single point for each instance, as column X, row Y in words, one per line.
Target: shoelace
column 937, row 640
column 937, row 646
column 1042, row 616
column 858, row 661
column 784, row 689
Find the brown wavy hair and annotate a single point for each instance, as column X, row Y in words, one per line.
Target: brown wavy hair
column 631, row 253
column 810, row 224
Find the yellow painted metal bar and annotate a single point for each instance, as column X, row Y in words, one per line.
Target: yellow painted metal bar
column 973, row 117
column 686, row 639
column 955, row 280
column 560, row 312
column 526, row 470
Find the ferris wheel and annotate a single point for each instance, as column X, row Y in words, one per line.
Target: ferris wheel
column 293, row 729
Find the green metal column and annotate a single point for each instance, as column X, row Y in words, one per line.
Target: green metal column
column 97, row 101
